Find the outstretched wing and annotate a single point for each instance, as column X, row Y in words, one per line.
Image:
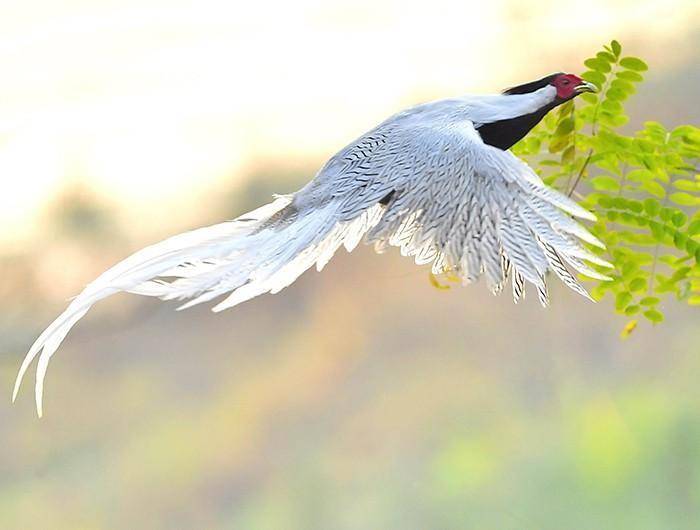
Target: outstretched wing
column 436, row 191
column 464, row 206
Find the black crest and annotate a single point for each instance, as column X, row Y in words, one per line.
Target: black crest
column 532, row 85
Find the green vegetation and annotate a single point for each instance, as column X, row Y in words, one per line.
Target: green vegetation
column 644, row 187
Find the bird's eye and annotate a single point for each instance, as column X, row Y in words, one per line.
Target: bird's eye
column 565, row 82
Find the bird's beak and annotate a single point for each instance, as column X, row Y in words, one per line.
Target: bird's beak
column 586, row 87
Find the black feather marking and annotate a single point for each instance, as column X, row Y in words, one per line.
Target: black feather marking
column 530, row 87
column 387, row 198
column 506, row 133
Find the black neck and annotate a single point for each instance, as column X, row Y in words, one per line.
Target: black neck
column 506, row 133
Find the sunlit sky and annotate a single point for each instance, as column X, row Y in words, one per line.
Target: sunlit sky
column 153, row 103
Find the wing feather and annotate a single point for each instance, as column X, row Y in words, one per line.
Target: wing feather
column 422, row 181
column 475, row 210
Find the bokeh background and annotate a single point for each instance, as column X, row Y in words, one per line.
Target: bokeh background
column 358, row 398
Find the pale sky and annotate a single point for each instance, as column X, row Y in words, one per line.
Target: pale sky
column 153, row 102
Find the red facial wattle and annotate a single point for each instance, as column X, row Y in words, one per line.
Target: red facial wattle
column 568, row 85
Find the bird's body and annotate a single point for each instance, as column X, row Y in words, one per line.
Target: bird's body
column 435, row 180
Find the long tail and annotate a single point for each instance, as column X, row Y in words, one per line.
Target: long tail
column 260, row 252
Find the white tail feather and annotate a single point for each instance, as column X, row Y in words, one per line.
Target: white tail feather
column 247, row 257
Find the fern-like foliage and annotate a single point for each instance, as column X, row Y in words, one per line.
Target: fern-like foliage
column 644, row 187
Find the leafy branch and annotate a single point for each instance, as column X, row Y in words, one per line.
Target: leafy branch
column 643, row 187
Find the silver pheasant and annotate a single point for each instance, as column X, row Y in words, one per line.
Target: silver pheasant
column 435, row 180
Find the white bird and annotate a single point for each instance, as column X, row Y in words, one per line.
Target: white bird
column 436, row 180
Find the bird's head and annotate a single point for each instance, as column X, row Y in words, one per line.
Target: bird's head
column 569, row 86
column 512, row 117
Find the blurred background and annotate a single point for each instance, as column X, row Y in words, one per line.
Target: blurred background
column 358, row 398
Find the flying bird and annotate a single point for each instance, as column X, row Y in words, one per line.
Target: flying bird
column 436, row 180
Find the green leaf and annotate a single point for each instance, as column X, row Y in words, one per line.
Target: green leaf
column 612, row 120
column 619, row 120
column 633, row 63
column 645, row 145
column 619, row 202
column 588, row 113
column 606, row 56
column 559, row 143
column 594, row 77
column 635, row 206
column 616, row 94
column 597, row 65
column 684, row 199
column 631, row 310
column 639, row 175
column 638, row 284
column 589, row 97
column 564, row 127
column 652, row 206
column 679, row 218
column 680, row 240
column 629, row 268
column 654, row 315
column 686, row 185
column 622, row 300
column 687, row 132
column 662, row 174
column 657, row 230
column 649, row 300
column 694, row 228
column 605, row 183
column 623, row 85
column 592, row 63
column 654, row 188
column 629, row 75
column 611, row 106
column 567, row 108
column 616, row 48
column 680, row 274
column 568, row 155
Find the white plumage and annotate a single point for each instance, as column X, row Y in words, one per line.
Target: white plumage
column 423, row 181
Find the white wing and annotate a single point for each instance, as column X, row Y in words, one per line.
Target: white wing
column 423, row 181
column 459, row 204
